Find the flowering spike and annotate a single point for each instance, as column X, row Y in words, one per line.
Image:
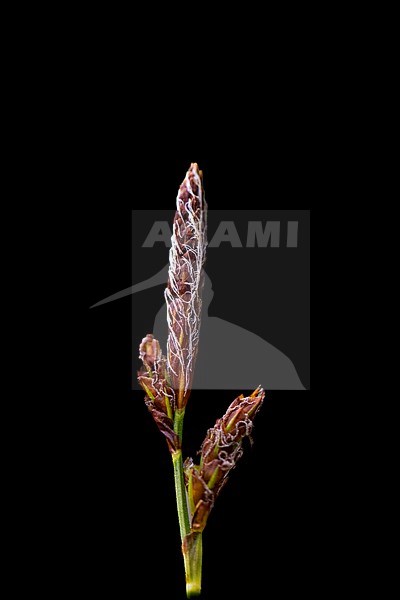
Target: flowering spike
column 160, row 398
column 185, row 283
column 220, row 452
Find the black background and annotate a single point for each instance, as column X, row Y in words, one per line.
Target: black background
column 262, row 536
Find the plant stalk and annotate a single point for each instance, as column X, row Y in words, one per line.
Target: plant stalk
column 180, row 491
column 192, row 547
column 193, row 555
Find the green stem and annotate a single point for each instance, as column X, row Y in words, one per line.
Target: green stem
column 180, row 491
column 192, row 544
column 193, row 555
column 178, row 423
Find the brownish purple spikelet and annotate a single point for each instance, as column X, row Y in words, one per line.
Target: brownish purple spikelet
column 160, row 397
column 220, row 452
column 185, row 283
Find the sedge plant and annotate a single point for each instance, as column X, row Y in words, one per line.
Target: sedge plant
column 167, row 382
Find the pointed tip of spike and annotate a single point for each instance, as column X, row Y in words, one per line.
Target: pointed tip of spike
column 194, row 168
